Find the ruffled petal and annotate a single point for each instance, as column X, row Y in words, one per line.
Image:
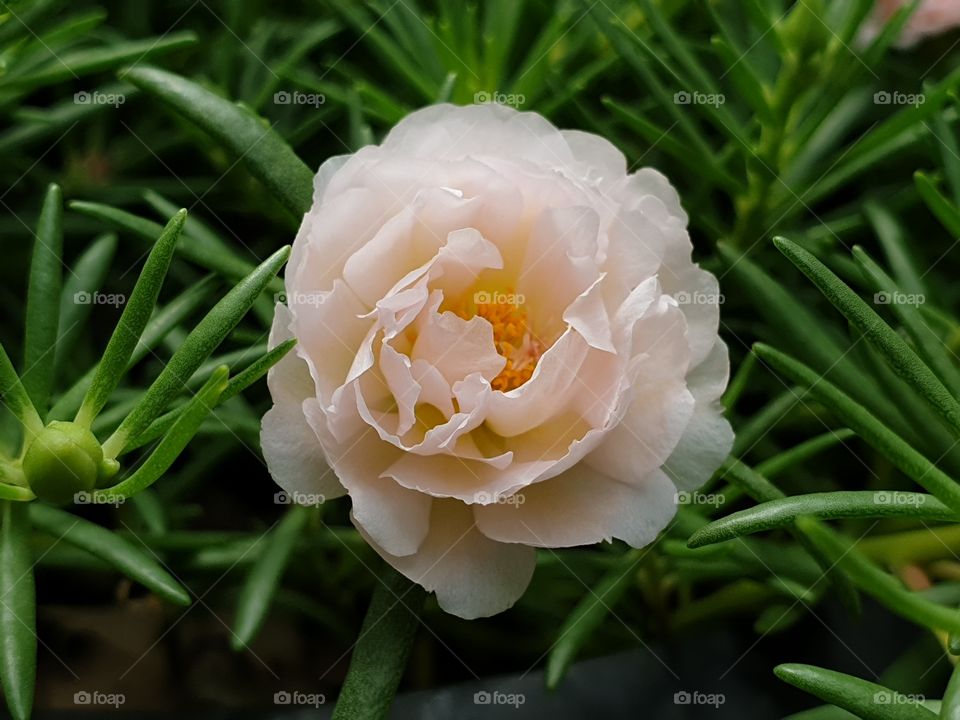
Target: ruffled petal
column 472, row 575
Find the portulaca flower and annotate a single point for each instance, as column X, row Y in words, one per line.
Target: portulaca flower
column 933, row 17
column 503, row 344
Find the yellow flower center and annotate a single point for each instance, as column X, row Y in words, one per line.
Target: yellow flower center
column 511, row 337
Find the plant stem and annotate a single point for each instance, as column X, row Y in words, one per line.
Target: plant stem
column 381, row 651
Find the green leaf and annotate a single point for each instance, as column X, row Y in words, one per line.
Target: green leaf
column 214, row 257
column 859, row 419
column 805, row 334
column 173, row 442
column 195, row 348
column 945, row 211
column 764, row 420
column 380, row 654
column 136, row 314
column 739, row 382
column 949, row 152
column 928, row 343
column 587, row 616
column 238, row 383
column 161, row 324
column 662, row 139
column 264, row 577
column 804, row 451
column 884, row 588
column 895, row 246
column 111, row 548
column 71, row 65
column 86, row 278
column 826, row 505
column 266, row 155
column 898, row 354
column 14, row 493
column 18, row 611
column 14, row 396
column 211, row 246
column 43, row 301
column 866, row 699
column 899, row 131
column 762, row 490
column 950, row 708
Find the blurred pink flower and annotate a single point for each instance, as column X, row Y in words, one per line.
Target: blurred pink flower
column 931, row 18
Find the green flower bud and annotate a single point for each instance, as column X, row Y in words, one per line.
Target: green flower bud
column 64, row 459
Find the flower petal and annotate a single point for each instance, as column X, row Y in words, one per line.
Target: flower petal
column 472, row 575
column 582, row 507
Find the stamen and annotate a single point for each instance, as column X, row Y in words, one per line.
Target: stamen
column 512, row 339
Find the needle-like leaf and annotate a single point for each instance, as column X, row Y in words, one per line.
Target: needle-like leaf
column 267, row 156
column 43, row 301
column 172, row 444
column 110, row 547
column 18, row 610
column 264, row 577
column 196, row 347
column 136, row 314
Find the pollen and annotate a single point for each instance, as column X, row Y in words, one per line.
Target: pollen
column 511, row 336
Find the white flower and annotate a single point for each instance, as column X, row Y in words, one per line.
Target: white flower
column 933, row 17
column 491, row 354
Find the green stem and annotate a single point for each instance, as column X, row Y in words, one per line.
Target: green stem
column 380, row 654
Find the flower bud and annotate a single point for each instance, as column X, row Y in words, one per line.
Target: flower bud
column 64, row 459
